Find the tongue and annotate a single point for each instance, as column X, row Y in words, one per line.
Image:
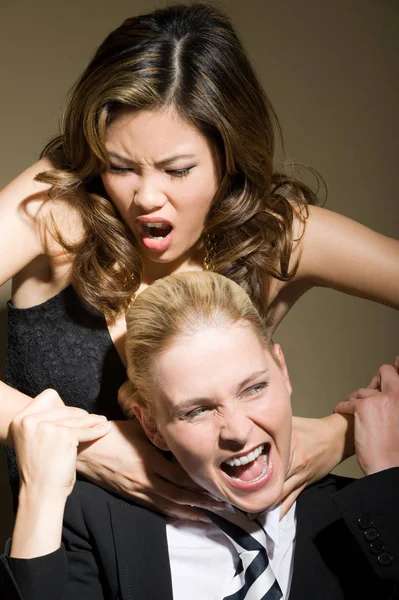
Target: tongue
column 250, row 471
column 160, row 231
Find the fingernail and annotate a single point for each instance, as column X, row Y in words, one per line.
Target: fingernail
column 103, row 417
column 205, row 520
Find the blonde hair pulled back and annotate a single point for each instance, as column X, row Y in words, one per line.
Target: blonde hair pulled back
column 173, row 307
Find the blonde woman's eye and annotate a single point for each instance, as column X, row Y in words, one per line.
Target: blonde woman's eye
column 179, row 172
column 255, row 389
column 197, row 412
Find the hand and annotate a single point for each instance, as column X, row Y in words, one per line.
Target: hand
column 376, row 411
column 46, row 436
column 317, row 447
column 127, row 463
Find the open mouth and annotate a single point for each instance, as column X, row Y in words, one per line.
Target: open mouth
column 156, row 231
column 249, row 467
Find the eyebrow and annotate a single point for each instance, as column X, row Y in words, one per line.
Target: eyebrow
column 248, row 380
column 159, row 164
column 186, row 405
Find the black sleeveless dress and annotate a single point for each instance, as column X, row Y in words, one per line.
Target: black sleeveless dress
column 63, row 344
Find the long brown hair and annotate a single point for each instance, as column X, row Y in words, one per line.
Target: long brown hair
column 190, row 58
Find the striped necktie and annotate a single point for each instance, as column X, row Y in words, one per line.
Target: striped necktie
column 254, row 578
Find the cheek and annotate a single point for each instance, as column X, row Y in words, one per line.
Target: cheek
column 193, row 200
column 118, row 191
column 190, row 449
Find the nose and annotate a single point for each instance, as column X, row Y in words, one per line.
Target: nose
column 148, row 196
column 236, row 427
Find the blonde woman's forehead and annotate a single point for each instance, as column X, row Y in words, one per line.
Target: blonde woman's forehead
column 210, row 358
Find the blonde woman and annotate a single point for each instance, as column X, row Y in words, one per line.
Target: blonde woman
column 207, row 385
column 165, row 163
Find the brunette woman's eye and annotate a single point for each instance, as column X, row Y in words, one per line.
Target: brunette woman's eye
column 119, row 170
column 179, row 172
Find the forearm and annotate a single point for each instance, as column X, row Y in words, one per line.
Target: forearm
column 11, row 403
column 38, row 524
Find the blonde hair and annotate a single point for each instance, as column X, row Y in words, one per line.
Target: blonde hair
column 172, row 307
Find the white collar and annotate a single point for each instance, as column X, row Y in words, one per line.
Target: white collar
column 276, row 528
column 270, row 521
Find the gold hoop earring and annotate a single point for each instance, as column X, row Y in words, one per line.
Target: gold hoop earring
column 133, row 296
column 210, row 252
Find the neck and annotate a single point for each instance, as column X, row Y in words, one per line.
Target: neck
column 156, row 270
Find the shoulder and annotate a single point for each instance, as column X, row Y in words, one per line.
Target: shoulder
column 86, row 494
column 88, row 501
column 87, row 516
column 326, row 487
column 27, row 199
column 330, row 245
column 353, row 497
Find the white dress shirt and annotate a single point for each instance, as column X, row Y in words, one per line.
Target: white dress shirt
column 203, row 561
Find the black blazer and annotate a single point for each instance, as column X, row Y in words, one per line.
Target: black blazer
column 347, row 547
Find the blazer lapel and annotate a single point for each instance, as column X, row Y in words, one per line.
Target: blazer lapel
column 141, row 552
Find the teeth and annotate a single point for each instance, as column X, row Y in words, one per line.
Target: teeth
column 264, row 470
column 244, row 460
column 156, row 225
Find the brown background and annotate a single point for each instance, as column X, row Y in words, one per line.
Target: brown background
column 331, row 70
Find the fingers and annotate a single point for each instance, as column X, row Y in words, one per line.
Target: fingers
column 174, row 473
column 46, row 400
column 90, row 433
column 166, row 507
column 82, row 426
column 389, row 378
column 349, row 405
column 182, row 496
column 84, row 421
column 386, row 378
column 56, row 414
column 73, row 434
column 375, row 383
column 289, row 497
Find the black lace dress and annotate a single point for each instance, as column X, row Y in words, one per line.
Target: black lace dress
column 65, row 345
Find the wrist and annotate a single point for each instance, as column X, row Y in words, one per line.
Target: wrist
column 38, row 523
column 89, row 453
column 47, row 496
column 341, row 427
column 92, row 454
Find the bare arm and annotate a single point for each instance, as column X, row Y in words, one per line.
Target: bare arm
column 339, row 253
column 11, row 403
column 21, row 243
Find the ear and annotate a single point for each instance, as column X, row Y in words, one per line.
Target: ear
column 283, row 365
column 150, row 428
